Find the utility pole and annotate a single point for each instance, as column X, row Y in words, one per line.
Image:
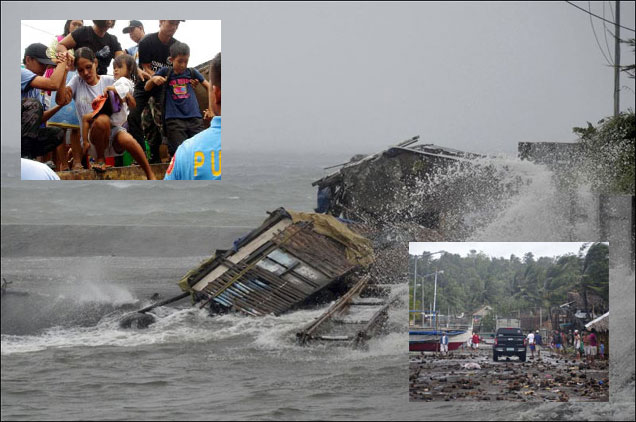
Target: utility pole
column 435, row 294
column 414, row 288
column 422, row 304
column 617, row 57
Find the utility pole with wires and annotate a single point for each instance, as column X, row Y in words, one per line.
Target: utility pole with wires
column 617, row 58
column 616, row 62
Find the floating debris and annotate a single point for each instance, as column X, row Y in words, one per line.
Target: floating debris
column 471, row 365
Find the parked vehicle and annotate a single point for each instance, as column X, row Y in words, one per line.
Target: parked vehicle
column 509, row 342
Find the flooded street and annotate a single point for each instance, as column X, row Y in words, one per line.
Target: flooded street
column 473, row 375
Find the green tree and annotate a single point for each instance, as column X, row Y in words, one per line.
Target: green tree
column 630, row 69
column 488, row 322
column 595, row 276
column 608, row 152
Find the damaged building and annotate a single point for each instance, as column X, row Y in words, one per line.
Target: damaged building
column 287, row 261
column 293, row 260
column 424, row 184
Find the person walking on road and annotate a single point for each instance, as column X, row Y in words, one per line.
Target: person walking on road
column 538, row 343
column 531, row 343
column 443, row 344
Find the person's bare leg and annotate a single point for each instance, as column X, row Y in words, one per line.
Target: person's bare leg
column 76, row 148
column 99, row 135
column 124, row 140
column 60, row 157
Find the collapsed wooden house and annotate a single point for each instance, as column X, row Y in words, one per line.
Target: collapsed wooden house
column 292, row 259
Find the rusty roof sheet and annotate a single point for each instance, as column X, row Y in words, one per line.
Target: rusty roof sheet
column 254, row 291
column 322, row 253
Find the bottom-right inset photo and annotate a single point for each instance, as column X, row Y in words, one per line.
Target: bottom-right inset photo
column 515, row 321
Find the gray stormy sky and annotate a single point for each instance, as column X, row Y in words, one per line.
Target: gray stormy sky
column 357, row 77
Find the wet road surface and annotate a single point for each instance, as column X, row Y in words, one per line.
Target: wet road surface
column 473, row 375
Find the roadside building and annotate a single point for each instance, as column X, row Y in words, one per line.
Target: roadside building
column 479, row 315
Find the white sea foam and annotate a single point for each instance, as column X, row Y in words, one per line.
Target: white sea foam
column 270, row 334
column 547, row 207
column 192, row 325
column 182, row 326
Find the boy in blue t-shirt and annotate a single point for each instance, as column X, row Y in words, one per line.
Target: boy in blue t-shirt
column 199, row 158
column 181, row 113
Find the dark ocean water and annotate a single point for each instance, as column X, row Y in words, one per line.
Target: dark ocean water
column 88, row 252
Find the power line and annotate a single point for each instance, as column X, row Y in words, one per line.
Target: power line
column 596, row 38
column 37, row 29
column 597, row 16
column 611, row 10
column 604, row 32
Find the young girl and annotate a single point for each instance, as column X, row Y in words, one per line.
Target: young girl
column 101, row 134
column 125, row 71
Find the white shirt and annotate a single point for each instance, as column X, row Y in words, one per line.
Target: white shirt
column 34, row 170
column 123, row 86
column 84, row 94
column 531, row 338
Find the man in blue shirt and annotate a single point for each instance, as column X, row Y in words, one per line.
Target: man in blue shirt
column 538, row 343
column 443, row 344
column 199, row 158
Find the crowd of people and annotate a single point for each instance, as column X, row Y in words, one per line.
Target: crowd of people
column 149, row 101
column 582, row 345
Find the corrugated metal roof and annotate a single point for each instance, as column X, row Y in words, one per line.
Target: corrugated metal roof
column 599, row 324
column 317, row 250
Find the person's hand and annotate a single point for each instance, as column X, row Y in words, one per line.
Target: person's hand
column 70, row 61
column 65, row 100
column 85, row 147
column 143, row 75
column 63, row 57
column 194, row 82
column 158, row 80
column 208, row 115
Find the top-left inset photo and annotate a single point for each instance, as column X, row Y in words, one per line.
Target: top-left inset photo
column 120, row 99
